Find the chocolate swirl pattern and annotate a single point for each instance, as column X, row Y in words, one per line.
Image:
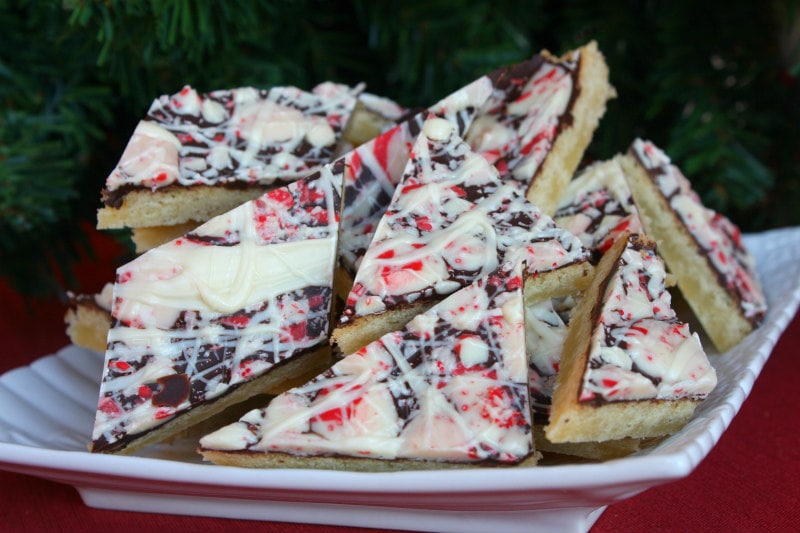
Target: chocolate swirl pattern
column 452, row 220
column 244, row 136
column 716, row 236
column 546, row 325
column 374, row 169
column 598, row 206
column 516, row 127
column 450, row 386
column 198, row 316
column 640, row 349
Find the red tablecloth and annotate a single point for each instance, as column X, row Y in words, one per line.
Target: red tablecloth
column 749, row 481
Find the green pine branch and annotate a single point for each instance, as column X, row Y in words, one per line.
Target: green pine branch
column 717, row 88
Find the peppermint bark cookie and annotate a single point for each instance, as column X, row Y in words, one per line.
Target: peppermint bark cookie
column 541, row 118
column 448, row 390
column 238, row 307
column 198, row 155
column 370, row 173
column 701, row 247
column 546, row 327
column 371, row 116
column 452, row 220
column 630, row 367
column 598, row 206
column 373, row 170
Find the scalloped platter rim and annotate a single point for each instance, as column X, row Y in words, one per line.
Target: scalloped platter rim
column 49, row 409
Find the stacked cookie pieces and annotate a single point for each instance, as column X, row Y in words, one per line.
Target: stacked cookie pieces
column 196, row 155
column 703, row 248
column 373, row 170
column 447, row 389
column 597, row 206
column 430, row 210
column 705, row 259
column 238, row 307
column 452, row 220
column 473, row 230
column 541, row 118
column 519, row 110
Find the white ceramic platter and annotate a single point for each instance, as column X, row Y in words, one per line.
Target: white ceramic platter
column 48, row 409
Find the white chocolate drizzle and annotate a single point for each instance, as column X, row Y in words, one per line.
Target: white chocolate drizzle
column 244, row 135
column 373, row 170
column 219, row 306
column 546, row 327
column 444, row 388
column 716, row 236
column 598, row 206
column 452, row 220
column 639, row 348
column 517, row 126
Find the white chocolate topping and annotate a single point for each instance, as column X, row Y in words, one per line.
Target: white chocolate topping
column 105, row 297
column 382, row 106
column 219, row 306
column 546, row 327
column 151, row 155
column 373, row 170
column 598, row 206
column 716, row 236
column 239, row 135
column 438, row 129
column 517, row 126
column 639, row 349
column 431, row 391
column 221, row 279
column 452, row 220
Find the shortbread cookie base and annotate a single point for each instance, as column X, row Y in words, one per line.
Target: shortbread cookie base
column 292, row 372
column 558, row 283
column 364, row 125
column 342, row 282
column 174, row 205
column 596, row 451
column 178, row 206
column 574, row 421
column 362, row 330
column 151, row 237
column 718, row 313
column 87, row 326
column 593, row 91
column 352, row 464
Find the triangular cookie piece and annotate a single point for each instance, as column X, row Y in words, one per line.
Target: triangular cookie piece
column 373, row 170
column 630, row 367
column 702, row 248
column 195, row 155
column 370, row 173
column 238, row 307
column 598, row 206
column 449, row 389
column 452, row 220
column 546, row 327
column 541, row 118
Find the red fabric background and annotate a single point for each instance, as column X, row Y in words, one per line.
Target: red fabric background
column 749, row 481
